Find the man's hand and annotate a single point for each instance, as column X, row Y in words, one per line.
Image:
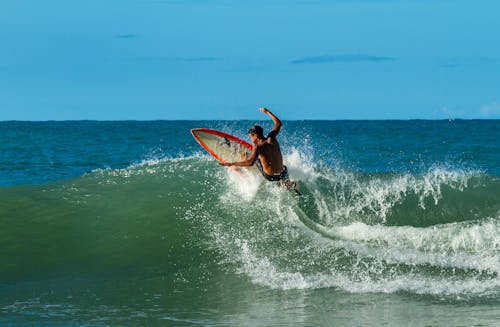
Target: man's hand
column 227, row 164
column 276, row 121
column 264, row 110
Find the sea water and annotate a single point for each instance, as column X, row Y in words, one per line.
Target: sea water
column 131, row 223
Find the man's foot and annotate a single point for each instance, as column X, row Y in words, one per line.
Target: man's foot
column 288, row 184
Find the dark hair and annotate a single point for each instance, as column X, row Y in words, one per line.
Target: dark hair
column 257, row 130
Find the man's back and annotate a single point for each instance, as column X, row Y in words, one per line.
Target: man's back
column 270, row 155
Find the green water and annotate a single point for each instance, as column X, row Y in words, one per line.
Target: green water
column 184, row 243
column 123, row 224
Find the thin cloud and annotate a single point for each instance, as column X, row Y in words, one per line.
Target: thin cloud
column 346, row 58
column 126, row 36
column 201, row 59
column 456, row 61
column 491, row 109
column 178, row 59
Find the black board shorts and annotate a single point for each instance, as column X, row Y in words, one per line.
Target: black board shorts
column 273, row 178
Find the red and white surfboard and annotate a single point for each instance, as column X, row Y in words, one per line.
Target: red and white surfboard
column 223, row 147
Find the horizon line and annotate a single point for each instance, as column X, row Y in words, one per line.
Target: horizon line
column 242, row 119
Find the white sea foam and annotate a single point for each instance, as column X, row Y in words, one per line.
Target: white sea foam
column 278, row 246
column 263, row 271
column 343, row 195
column 244, row 181
column 481, row 237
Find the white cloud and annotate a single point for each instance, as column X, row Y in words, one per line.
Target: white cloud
column 491, row 109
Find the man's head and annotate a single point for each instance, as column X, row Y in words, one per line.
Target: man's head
column 256, row 132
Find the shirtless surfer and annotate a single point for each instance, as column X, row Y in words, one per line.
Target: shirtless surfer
column 266, row 153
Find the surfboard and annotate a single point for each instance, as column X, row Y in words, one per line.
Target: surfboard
column 222, row 146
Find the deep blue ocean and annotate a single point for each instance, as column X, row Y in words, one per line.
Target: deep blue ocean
column 130, row 223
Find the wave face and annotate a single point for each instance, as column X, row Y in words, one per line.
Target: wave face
column 434, row 233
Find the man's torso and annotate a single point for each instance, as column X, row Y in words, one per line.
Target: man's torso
column 270, row 156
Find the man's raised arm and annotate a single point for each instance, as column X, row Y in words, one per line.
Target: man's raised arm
column 276, row 121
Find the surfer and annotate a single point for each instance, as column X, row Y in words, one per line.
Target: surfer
column 266, row 153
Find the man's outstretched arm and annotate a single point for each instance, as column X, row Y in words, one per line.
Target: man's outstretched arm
column 276, row 121
column 245, row 163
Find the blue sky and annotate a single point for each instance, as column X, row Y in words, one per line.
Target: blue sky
column 217, row 59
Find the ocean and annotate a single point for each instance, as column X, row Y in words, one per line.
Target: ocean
column 130, row 223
